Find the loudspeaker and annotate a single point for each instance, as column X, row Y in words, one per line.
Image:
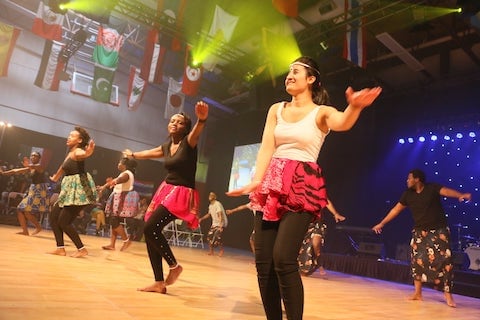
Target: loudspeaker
column 372, row 249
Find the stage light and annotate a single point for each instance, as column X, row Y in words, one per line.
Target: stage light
column 472, row 134
column 421, row 139
column 401, row 141
column 410, row 140
column 459, row 135
column 446, row 137
column 433, row 138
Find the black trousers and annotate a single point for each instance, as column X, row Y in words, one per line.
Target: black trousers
column 157, row 244
column 276, row 252
column 61, row 220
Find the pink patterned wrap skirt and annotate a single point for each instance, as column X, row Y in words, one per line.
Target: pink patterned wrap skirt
column 290, row 186
column 181, row 201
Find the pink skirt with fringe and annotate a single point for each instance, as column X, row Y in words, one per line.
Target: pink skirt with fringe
column 181, row 201
column 290, row 186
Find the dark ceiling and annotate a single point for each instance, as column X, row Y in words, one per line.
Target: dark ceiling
column 435, row 48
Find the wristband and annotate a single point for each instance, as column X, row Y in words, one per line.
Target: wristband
column 202, row 120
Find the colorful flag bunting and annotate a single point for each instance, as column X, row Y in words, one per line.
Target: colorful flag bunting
column 48, row 24
column 175, row 98
column 8, row 38
column 354, row 48
column 102, row 83
column 136, row 89
column 51, row 67
column 191, row 76
column 223, row 25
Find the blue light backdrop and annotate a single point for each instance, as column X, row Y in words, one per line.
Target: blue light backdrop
column 450, row 157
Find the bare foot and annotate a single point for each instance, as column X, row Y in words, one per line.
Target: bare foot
column 221, row 252
column 210, row 253
column 108, row 248
column 416, row 296
column 449, row 300
column 158, row 286
column 59, row 252
column 80, row 253
column 37, row 230
column 322, row 271
column 126, row 244
column 173, row 275
column 23, row 233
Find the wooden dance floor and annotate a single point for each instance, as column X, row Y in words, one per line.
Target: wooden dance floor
column 37, row 285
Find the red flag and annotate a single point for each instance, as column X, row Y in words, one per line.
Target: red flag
column 153, row 59
column 48, row 76
column 191, row 75
column 48, row 24
column 8, row 38
column 354, row 48
column 136, row 89
column 286, row 7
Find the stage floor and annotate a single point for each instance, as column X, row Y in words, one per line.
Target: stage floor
column 37, row 285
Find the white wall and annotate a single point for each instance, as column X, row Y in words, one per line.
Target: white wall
column 25, row 105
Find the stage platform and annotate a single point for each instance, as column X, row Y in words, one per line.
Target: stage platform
column 37, row 285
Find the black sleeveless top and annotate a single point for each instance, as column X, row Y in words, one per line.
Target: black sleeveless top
column 37, row 177
column 71, row 167
column 182, row 166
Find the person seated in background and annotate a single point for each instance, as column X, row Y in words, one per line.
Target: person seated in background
column 98, row 214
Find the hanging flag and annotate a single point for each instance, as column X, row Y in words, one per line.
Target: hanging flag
column 153, row 59
column 102, row 83
column 223, row 25
column 354, row 48
column 48, row 24
column 175, row 98
column 191, row 76
column 106, row 51
column 176, row 43
column 48, row 76
column 286, row 7
column 136, row 89
column 8, row 38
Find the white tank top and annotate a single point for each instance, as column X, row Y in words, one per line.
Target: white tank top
column 301, row 140
column 126, row 186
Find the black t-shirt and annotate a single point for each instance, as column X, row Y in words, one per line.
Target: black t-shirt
column 182, row 166
column 426, row 207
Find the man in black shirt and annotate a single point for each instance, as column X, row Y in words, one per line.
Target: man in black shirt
column 430, row 244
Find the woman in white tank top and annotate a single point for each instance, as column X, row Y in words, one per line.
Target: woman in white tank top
column 288, row 190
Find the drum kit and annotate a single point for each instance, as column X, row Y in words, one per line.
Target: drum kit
column 468, row 244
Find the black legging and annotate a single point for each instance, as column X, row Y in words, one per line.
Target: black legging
column 157, row 244
column 61, row 221
column 276, row 252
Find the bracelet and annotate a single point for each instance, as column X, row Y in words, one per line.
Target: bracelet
column 202, row 120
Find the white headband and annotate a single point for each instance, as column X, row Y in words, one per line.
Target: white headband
column 305, row 65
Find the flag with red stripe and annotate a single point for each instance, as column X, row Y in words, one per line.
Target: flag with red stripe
column 48, row 24
column 136, row 89
column 153, row 59
column 354, row 48
column 8, row 38
column 51, row 67
column 192, row 75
